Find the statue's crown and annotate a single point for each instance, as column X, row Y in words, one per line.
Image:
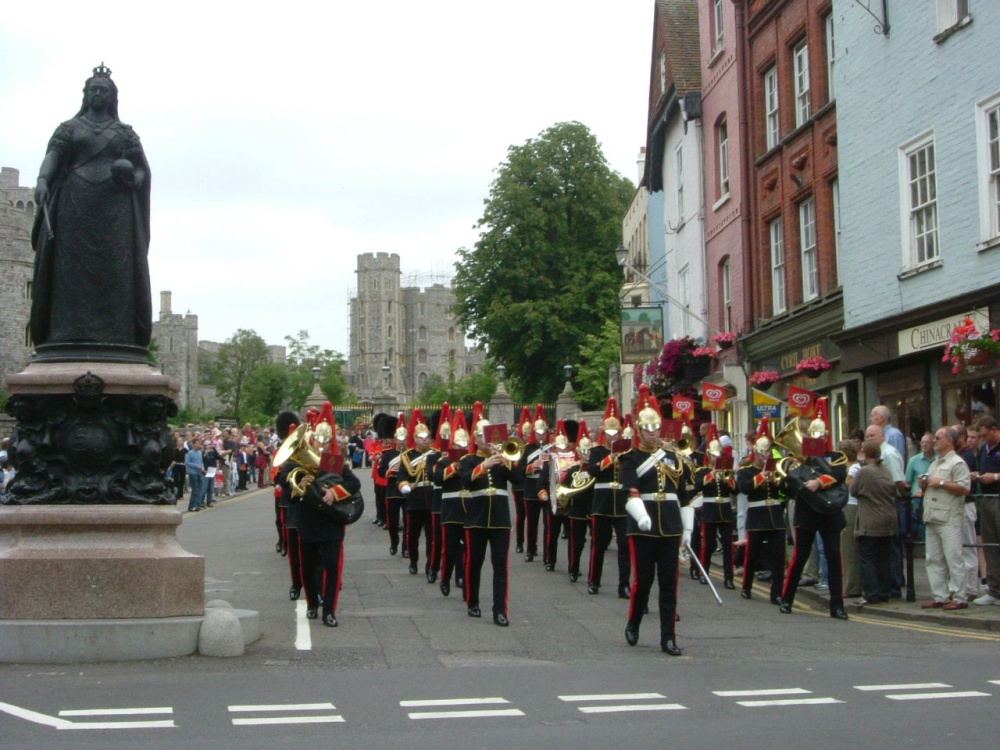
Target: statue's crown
column 101, row 71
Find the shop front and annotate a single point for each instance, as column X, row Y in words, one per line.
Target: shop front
column 901, row 365
column 808, row 336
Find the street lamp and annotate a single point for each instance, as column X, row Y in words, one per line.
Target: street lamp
column 315, row 372
column 501, row 369
column 568, row 369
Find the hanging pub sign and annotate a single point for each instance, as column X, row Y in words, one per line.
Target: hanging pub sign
column 642, row 334
column 713, row 397
column 801, row 402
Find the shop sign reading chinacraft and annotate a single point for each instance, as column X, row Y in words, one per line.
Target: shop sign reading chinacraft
column 936, row 333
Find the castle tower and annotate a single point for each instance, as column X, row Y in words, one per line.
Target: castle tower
column 377, row 359
column 17, row 213
column 176, row 339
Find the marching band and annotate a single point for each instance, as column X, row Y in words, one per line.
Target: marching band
column 636, row 485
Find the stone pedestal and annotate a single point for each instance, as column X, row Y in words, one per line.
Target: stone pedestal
column 502, row 408
column 96, row 562
column 88, row 527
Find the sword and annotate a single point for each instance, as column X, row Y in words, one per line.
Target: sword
column 701, row 570
column 50, row 235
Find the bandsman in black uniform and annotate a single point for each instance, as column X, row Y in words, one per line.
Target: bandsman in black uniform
column 581, row 502
column 285, row 424
column 608, row 514
column 525, row 430
column 531, row 468
column 416, row 486
column 660, row 521
column 440, row 424
column 716, row 482
column 562, row 459
column 448, row 476
column 384, row 425
column 389, row 466
column 485, row 476
column 765, row 522
column 321, row 532
column 830, row 469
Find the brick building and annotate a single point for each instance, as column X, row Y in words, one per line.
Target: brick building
column 791, row 114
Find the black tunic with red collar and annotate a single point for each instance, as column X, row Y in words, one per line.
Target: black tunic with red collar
column 663, row 482
column 609, row 497
column 717, row 487
column 447, row 476
column 415, row 471
column 765, row 504
column 486, row 499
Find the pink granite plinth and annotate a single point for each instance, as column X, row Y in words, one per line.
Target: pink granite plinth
column 96, row 562
column 58, row 377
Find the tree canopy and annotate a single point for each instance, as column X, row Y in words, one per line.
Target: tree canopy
column 301, row 357
column 542, row 276
column 238, row 357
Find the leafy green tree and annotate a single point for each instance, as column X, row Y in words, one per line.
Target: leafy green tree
column 599, row 353
column 300, row 357
column 543, row 276
column 238, row 357
column 479, row 386
column 266, row 391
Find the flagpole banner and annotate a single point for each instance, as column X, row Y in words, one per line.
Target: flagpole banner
column 682, row 406
column 642, row 334
column 801, row 402
column 713, row 397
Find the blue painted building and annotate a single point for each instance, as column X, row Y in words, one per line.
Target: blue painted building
column 918, row 111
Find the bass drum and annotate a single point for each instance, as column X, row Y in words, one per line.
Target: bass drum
column 827, row 502
column 345, row 511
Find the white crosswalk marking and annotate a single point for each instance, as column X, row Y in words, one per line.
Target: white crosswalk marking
column 273, row 708
column 465, row 714
column 62, row 723
column 893, row 694
column 624, row 707
column 775, row 701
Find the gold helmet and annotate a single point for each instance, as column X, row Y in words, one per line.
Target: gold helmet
column 584, row 443
column 649, row 418
column 763, row 443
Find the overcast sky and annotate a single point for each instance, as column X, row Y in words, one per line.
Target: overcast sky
column 286, row 138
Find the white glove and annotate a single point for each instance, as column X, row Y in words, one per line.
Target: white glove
column 687, row 521
column 405, row 489
column 637, row 509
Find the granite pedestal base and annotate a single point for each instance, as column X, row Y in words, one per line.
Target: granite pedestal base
column 96, row 562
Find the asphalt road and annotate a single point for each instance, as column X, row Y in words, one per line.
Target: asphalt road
column 408, row 668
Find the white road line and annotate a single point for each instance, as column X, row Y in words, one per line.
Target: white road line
column 335, row 719
column 465, row 714
column 303, row 638
column 790, row 702
column 635, row 707
column 284, row 707
column 994, row 682
column 56, row 723
column 452, row 702
column 612, row 697
column 747, row 693
column 910, row 686
column 116, row 711
column 934, row 696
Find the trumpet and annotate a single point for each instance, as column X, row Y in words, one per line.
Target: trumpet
column 511, row 450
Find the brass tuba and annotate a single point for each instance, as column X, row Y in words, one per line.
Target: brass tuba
column 296, row 448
